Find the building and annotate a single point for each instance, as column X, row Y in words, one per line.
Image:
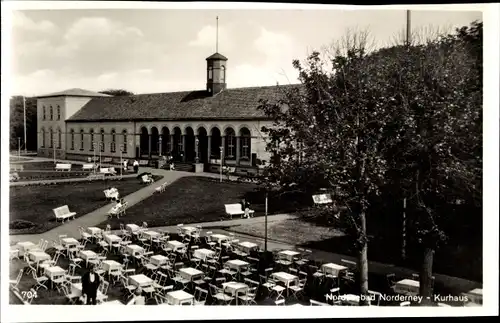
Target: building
column 192, row 126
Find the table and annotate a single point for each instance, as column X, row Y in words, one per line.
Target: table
column 174, row 244
column 68, row 242
column 151, row 234
column 333, row 269
column 159, row 260
column 133, row 249
column 248, row 246
column 237, row 264
column 132, row 227
column 179, row 296
column 188, row 230
column 87, row 255
column 76, row 289
column 203, row 254
column 38, row 256
column 219, row 238
column 94, row 231
column 285, row 278
column 110, row 265
column 112, row 238
column 115, row 302
column 54, row 272
column 407, row 287
column 141, row 280
column 190, row 273
column 288, row 254
column 350, row 299
column 25, row 247
column 234, row 288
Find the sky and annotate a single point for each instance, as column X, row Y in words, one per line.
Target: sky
column 150, row 51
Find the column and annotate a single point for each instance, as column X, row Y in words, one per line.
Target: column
column 196, row 149
column 238, row 150
column 149, row 146
column 183, row 148
column 209, row 148
column 171, row 144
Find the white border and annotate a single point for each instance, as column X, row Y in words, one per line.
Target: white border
column 10, row 313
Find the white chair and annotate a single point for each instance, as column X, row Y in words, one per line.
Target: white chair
column 14, row 283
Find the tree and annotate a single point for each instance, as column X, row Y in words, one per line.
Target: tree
column 17, row 122
column 437, row 157
column 117, row 92
column 333, row 129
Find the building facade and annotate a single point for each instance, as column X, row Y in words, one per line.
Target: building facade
column 209, row 126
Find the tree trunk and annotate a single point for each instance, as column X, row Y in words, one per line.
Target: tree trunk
column 363, row 263
column 426, row 277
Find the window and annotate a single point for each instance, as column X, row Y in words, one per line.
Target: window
column 223, row 74
column 43, row 138
column 82, row 142
column 210, row 72
column 124, row 141
column 101, row 144
column 51, row 113
column 113, row 141
column 72, row 139
column 230, row 144
column 44, row 113
column 51, row 138
column 92, row 143
column 59, row 138
column 245, row 143
column 58, row 113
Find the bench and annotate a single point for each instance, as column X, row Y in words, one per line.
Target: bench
column 16, row 168
column 146, row 179
column 92, row 177
column 111, row 194
column 118, row 211
column 322, row 199
column 107, row 160
column 88, row 166
column 107, row 171
column 63, row 167
column 235, row 209
column 63, row 213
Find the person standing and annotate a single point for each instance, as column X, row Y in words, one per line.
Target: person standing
column 125, row 165
column 245, row 206
column 136, row 166
column 90, row 285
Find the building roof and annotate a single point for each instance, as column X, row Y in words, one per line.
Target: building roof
column 235, row 104
column 216, row 56
column 74, row 92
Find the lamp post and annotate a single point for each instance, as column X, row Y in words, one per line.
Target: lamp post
column 101, row 144
column 197, row 142
column 19, row 148
column 265, row 224
column 221, row 159
column 53, row 144
column 121, row 161
column 94, row 146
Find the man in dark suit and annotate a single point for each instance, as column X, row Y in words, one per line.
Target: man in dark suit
column 90, row 285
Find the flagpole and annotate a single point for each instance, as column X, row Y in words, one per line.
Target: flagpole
column 24, row 109
column 408, row 27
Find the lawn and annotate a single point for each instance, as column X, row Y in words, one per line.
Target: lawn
column 31, row 206
column 188, row 200
column 448, row 260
